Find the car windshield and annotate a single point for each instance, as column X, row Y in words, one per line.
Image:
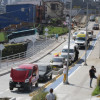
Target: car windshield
column 23, row 69
column 42, row 68
column 82, row 33
column 89, row 33
column 57, row 60
column 92, row 17
column 66, row 50
column 96, row 25
column 80, row 39
column 65, row 56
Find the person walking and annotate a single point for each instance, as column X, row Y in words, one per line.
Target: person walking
column 92, row 72
column 64, row 73
column 76, row 55
column 50, row 95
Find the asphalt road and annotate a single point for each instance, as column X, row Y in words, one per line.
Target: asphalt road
column 4, row 80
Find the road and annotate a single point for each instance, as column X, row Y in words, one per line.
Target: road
column 4, row 80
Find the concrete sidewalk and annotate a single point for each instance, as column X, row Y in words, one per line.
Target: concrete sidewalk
column 79, row 88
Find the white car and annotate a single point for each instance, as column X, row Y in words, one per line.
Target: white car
column 72, row 50
column 64, row 55
column 90, row 34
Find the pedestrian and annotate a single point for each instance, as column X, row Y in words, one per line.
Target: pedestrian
column 56, row 36
column 50, row 95
column 92, row 72
column 76, row 54
column 64, row 72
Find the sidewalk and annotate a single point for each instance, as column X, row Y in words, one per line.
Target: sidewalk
column 79, row 88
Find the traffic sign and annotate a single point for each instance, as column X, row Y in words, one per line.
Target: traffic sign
column 2, row 47
column 46, row 29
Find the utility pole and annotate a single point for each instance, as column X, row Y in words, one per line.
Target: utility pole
column 70, row 18
column 86, row 36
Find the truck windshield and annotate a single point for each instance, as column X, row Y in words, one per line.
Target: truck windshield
column 23, row 69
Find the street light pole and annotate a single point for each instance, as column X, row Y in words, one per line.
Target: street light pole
column 69, row 41
column 86, row 36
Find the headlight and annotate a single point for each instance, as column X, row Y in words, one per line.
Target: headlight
column 27, row 80
column 11, row 80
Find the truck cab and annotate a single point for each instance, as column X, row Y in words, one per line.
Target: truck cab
column 24, row 76
column 81, row 40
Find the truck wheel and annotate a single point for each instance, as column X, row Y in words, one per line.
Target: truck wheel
column 11, row 88
column 36, row 85
column 30, row 87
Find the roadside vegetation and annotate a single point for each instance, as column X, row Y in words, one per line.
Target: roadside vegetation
column 56, row 30
column 3, row 37
column 41, row 96
column 97, row 89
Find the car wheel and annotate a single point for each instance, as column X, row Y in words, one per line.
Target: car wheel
column 11, row 88
column 50, row 76
column 36, row 85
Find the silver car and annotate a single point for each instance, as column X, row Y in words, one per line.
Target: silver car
column 57, row 62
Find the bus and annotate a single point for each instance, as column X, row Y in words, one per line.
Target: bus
column 22, row 36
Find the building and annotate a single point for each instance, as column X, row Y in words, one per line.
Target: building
column 53, row 8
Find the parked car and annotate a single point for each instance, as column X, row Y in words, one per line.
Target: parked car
column 96, row 27
column 72, row 51
column 45, row 71
column 92, row 18
column 57, row 62
column 90, row 34
column 65, row 55
column 24, row 76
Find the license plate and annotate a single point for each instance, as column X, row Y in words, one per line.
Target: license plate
column 17, row 85
column 54, row 67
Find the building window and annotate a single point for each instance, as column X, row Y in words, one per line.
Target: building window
column 53, row 6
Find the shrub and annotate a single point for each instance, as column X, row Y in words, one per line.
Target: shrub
column 41, row 96
column 56, row 30
column 97, row 89
column 98, row 81
column 11, row 49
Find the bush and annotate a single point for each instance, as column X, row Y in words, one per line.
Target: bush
column 11, row 49
column 56, row 30
column 41, row 96
column 98, row 81
column 97, row 89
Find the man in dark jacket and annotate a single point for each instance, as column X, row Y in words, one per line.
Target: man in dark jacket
column 92, row 72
